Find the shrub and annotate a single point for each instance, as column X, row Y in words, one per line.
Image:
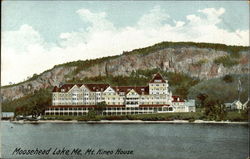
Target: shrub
column 191, row 120
column 228, row 79
column 237, row 116
column 115, row 118
column 226, row 61
column 200, row 62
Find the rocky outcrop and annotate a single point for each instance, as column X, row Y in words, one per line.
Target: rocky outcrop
column 193, row 61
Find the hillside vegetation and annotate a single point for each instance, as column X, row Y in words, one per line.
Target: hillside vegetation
column 85, row 64
column 233, row 50
column 34, row 103
column 223, row 89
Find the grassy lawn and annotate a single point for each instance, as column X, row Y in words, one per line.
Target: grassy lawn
column 236, row 116
column 190, row 116
column 145, row 117
column 167, row 116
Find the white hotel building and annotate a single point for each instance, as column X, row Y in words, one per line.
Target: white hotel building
column 78, row 99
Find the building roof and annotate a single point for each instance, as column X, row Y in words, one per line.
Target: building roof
column 65, row 87
column 154, row 105
column 125, row 89
column 97, row 87
column 245, row 104
column 177, row 99
column 237, row 102
column 91, row 87
column 101, row 87
column 157, row 79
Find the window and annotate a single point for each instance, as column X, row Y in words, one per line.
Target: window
column 157, row 81
column 165, row 109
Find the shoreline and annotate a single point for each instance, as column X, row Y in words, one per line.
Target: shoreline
column 126, row 122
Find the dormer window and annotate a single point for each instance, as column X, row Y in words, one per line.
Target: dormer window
column 158, row 81
column 63, row 90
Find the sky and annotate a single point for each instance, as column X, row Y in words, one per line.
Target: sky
column 36, row 35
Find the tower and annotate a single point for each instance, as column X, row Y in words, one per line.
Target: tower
column 158, row 85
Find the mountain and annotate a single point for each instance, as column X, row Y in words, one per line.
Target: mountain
column 203, row 61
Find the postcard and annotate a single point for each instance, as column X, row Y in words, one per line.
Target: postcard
column 125, row 80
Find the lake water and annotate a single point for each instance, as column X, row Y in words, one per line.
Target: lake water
column 146, row 141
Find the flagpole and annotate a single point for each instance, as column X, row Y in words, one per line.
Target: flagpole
column 239, row 88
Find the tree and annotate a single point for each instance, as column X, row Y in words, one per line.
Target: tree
column 202, row 97
column 215, row 110
column 245, row 113
column 91, row 114
column 228, row 79
column 182, row 91
column 33, row 104
column 100, row 107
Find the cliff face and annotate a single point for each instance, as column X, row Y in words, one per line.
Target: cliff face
column 196, row 62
